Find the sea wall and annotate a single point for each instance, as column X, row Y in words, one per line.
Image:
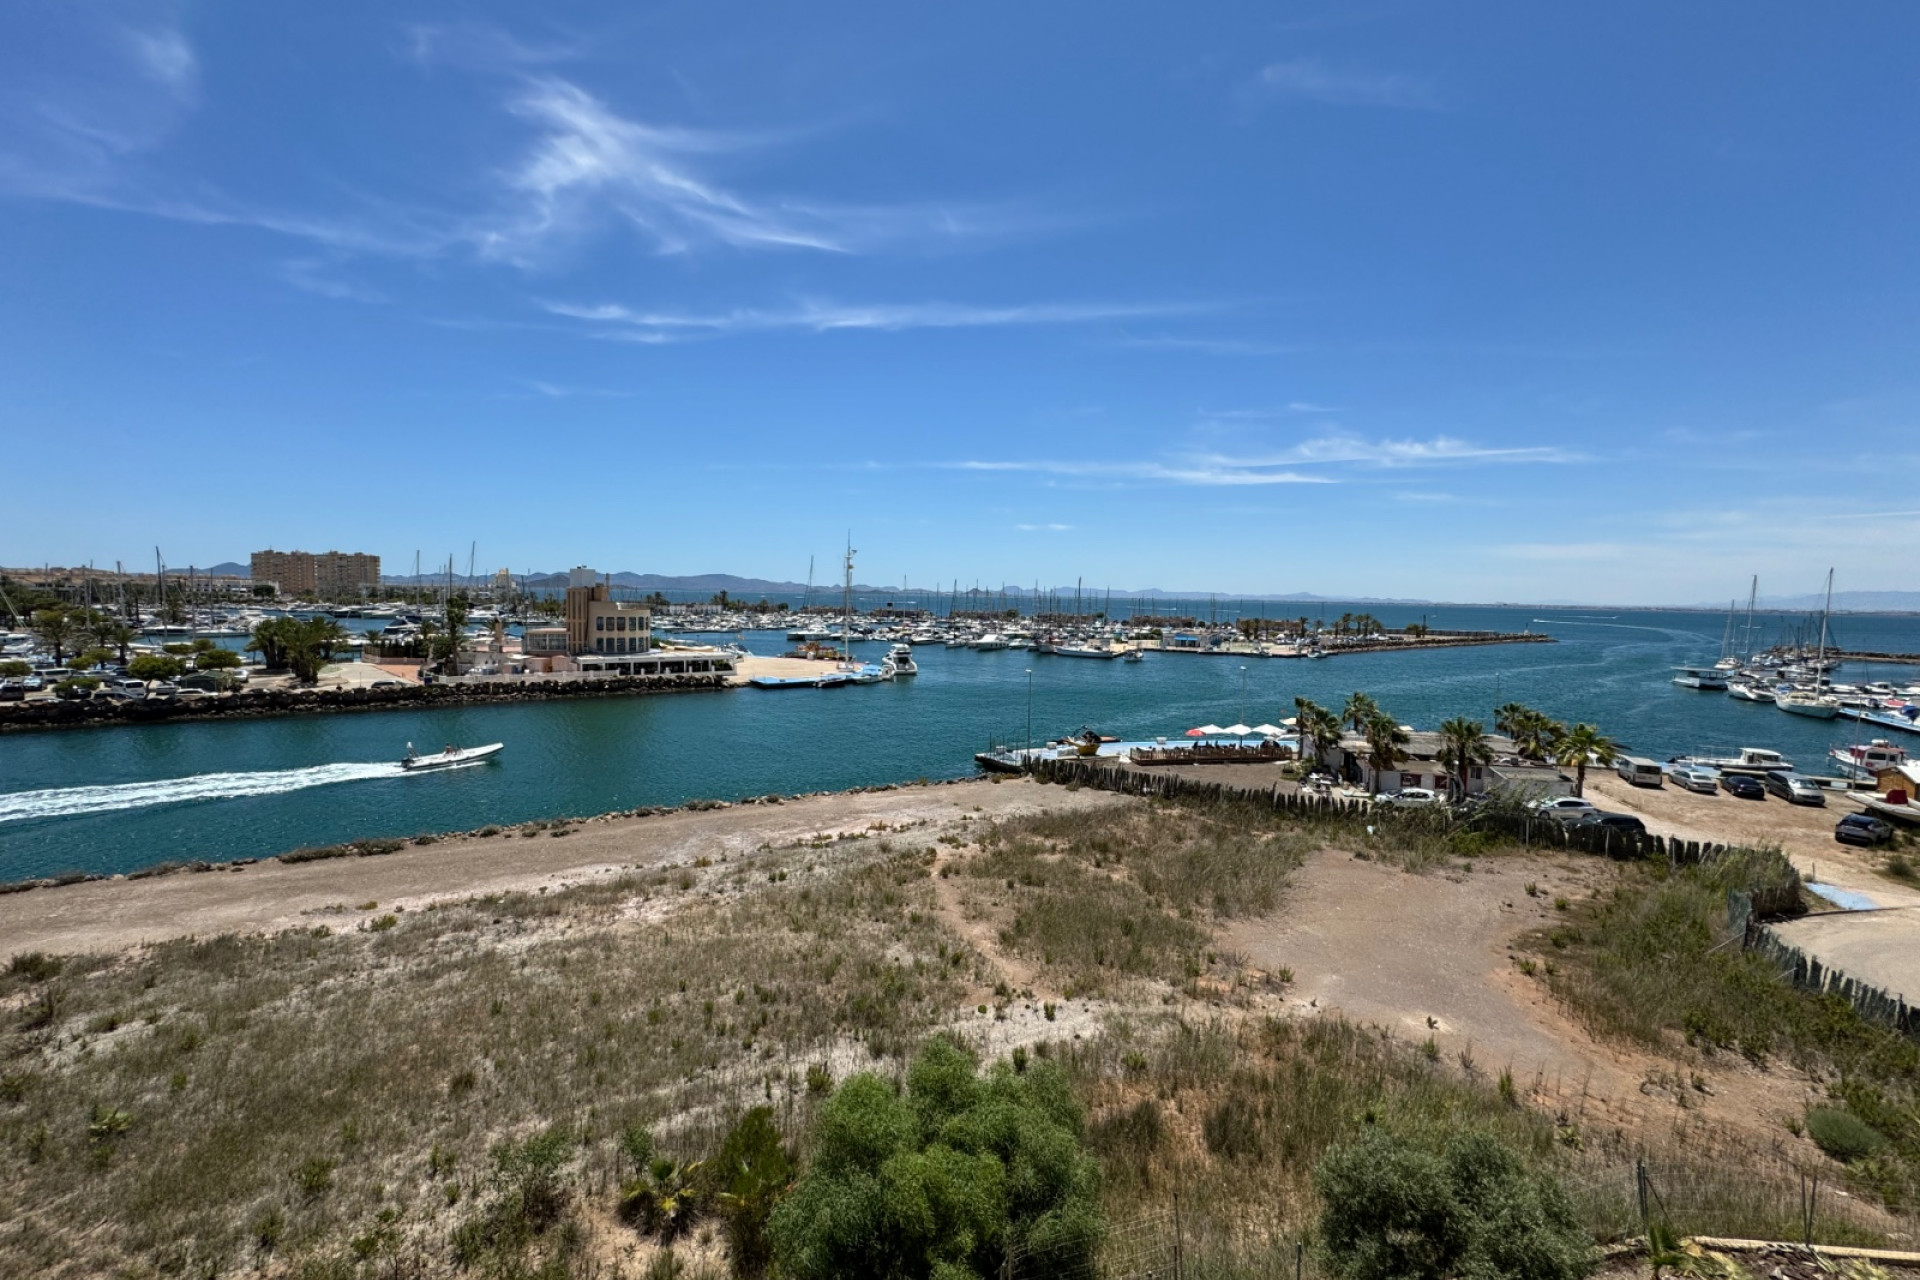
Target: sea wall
column 63, row 714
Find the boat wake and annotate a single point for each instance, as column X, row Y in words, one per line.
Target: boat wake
column 66, row 802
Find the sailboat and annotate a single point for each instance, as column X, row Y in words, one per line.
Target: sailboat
column 1815, row 702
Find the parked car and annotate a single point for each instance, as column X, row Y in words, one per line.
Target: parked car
column 1793, row 788
column 12, row 691
column 1742, row 787
column 1862, row 828
column 1614, row 822
column 1410, row 797
column 1694, row 777
column 1566, row 808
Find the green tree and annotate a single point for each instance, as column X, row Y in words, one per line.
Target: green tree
column 749, row 1176
column 55, row 628
column 215, row 660
column 271, row 640
column 14, row 668
column 1463, row 744
column 1581, row 745
column 87, row 659
column 155, row 666
column 1316, row 725
column 109, row 632
column 1533, row 732
column 1360, row 708
column 943, row 1182
column 1385, row 742
column 1392, row 1211
column 456, row 618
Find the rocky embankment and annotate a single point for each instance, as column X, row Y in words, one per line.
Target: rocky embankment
column 65, row 714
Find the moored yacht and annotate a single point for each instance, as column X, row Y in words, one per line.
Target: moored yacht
column 901, row 656
column 1700, row 677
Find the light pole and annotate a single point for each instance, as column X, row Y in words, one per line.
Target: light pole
column 1243, row 695
column 1029, row 713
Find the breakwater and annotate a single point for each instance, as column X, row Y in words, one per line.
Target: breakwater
column 254, row 704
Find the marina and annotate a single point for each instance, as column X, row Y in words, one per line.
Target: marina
column 579, row 756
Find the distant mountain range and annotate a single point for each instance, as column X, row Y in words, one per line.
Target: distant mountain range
column 754, row 588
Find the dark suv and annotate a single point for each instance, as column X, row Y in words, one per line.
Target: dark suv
column 1862, row 828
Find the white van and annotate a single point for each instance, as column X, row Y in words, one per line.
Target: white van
column 1639, row 771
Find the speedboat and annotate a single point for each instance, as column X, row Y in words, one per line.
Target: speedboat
column 901, row 656
column 415, row 762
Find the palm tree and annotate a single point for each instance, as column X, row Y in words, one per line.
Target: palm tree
column 1580, row 745
column 1508, row 717
column 1463, row 744
column 1314, row 723
column 56, row 629
column 1360, row 708
column 109, row 632
column 1384, row 742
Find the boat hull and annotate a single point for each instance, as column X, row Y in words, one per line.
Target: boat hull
column 451, row 759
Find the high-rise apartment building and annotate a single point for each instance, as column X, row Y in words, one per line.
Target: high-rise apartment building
column 329, row 574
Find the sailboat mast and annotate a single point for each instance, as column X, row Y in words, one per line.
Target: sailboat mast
column 1820, row 662
column 1752, row 592
column 846, row 606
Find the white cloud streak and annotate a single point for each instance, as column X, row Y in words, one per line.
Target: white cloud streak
column 1315, row 81
column 817, row 316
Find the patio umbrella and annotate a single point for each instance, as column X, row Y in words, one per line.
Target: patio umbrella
column 1291, row 721
column 1196, row 733
column 1268, row 730
column 1209, row 730
column 1237, row 730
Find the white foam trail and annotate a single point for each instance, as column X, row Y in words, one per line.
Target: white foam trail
column 63, row 802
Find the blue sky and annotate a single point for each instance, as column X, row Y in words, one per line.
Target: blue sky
column 1614, row 303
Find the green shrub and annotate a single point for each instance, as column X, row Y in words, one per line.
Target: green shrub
column 1843, row 1135
column 749, row 1175
column 945, row 1179
column 34, row 966
column 1393, row 1211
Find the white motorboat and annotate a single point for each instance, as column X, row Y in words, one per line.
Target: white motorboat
column 901, row 656
column 415, row 762
column 1749, row 691
column 1867, row 760
column 1700, row 677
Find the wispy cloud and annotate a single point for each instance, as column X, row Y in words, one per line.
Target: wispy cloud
column 1308, row 462
column 818, row 316
column 481, row 47
column 1043, row 528
column 588, row 164
column 1440, row 450
column 561, row 391
column 1315, row 81
column 167, row 58
column 316, row 276
column 1148, row 472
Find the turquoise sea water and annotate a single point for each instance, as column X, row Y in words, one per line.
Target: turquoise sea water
column 117, row 799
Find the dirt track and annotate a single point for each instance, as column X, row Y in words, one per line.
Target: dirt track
column 109, row 915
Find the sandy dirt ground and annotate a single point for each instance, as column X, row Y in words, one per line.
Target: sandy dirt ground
column 107, row 915
column 1429, row 955
column 1804, row 832
column 1877, row 947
